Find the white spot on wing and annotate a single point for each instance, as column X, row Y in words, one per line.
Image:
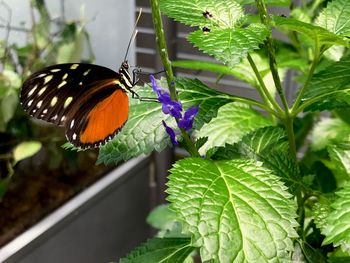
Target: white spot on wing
column 47, row 79
column 87, row 72
column 55, row 70
column 74, row 136
column 54, row 117
column 80, row 83
column 32, row 90
column 42, row 75
column 71, row 124
column 62, row 84
column 67, row 102
column 41, row 91
column 65, row 76
column 74, row 66
column 45, row 111
column 38, row 105
column 53, row 101
column 30, row 103
column 63, row 118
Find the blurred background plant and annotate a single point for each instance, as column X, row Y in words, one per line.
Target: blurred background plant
column 48, row 41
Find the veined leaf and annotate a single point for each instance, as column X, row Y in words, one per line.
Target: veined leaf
column 336, row 17
column 162, row 250
column 144, row 131
column 337, row 225
column 236, row 210
column 329, row 88
column 229, row 45
column 340, row 161
column 268, row 2
column 233, row 121
column 268, row 145
column 328, row 132
column 225, row 13
column 318, row 35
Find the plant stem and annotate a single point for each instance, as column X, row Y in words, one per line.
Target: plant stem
column 162, row 48
column 163, row 52
column 294, row 109
column 265, row 19
column 262, row 89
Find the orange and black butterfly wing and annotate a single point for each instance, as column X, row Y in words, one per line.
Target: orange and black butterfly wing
column 98, row 119
column 89, row 100
column 49, row 94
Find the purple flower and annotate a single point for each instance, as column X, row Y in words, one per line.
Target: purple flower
column 186, row 122
column 171, row 133
column 169, row 106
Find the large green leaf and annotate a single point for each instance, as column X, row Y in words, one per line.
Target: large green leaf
column 225, row 13
column 236, row 210
column 337, row 224
column 268, row 2
column 229, row 45
column 328, row 132
column 161, row 250
column 233, row 121
column 144, row 131
column 268, row 145
column 336, row 17
column 318, row 35
column 329, row 88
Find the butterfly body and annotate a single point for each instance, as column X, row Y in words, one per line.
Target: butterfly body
column 90, row 101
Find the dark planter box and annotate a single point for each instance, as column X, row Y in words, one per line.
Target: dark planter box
column 100, row 224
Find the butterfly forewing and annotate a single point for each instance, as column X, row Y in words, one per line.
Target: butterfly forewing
column 50, row 94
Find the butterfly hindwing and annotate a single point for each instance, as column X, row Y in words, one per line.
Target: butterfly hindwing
column 51, row 93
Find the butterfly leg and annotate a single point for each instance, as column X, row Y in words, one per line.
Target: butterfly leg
column 134, row 95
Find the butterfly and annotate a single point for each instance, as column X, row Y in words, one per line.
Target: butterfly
column 90, row 101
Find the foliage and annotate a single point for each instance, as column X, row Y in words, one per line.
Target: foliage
column 258, row 187
column 48, row 42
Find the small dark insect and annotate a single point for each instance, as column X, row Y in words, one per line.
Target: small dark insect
column 206, row 30
column 207, row 14
column 283, row 15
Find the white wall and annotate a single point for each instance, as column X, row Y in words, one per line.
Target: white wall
column 109, row 23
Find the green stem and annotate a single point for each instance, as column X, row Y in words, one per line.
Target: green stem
column 265, row 19
column 163, row 52
column 162, row 48
column 262, row 89
column 315, row 61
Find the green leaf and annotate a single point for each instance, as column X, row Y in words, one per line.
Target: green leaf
column 225, row 13
column 161, row 217
column 318, row 35
column 236, row 210
column 233, row 121
column 338, row 256
column 328, row 132
column 329, row 88
column 336, row 17
column 268, row 145
column 144, row 131
column 340, row 161
column 72, row 51
column 162, row 250
column 25, row 150
column 337, row 224
column 268, row 2
column 229, row 45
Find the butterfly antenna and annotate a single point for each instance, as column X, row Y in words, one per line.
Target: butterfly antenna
column 134, row 33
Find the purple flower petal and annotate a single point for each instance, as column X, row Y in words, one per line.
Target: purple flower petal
column 169, row 106
column 186, row 122
column 171, row 133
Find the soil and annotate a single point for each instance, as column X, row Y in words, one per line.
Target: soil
column 40, row 185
